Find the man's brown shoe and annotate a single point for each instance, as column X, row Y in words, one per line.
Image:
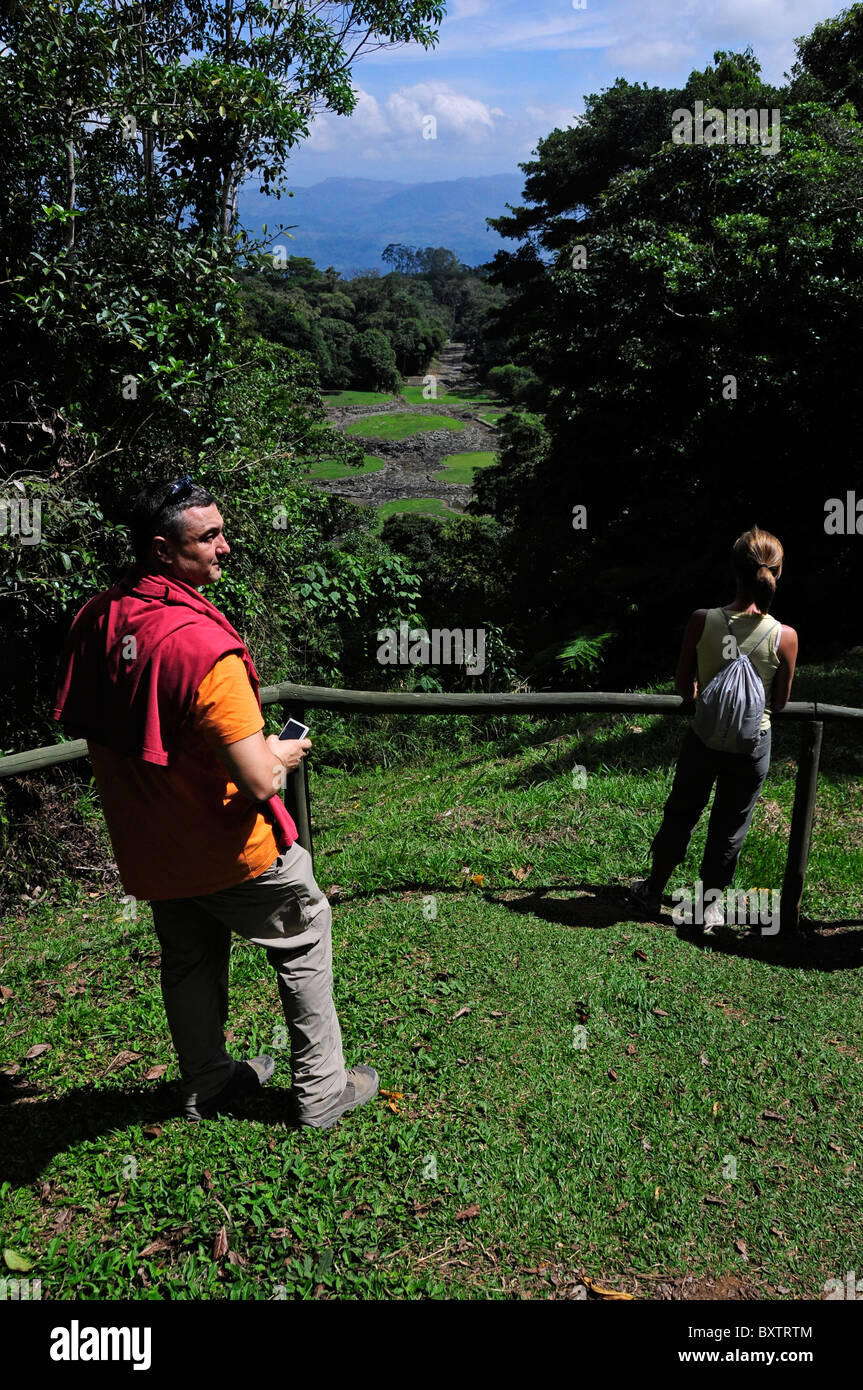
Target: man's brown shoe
column 362, row 1085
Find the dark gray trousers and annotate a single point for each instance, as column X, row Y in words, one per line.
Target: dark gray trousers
column 739, row 778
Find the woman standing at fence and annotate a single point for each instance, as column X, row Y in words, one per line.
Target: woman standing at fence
column 757, row 564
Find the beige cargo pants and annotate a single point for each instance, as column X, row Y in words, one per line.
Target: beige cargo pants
column 283, row 910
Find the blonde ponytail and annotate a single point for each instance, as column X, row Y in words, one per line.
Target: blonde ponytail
column 757, row 560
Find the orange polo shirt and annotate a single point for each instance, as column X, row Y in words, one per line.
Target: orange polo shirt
column 185, row 830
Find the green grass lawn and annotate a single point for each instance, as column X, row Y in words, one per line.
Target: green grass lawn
column 414, row 396
column 331, row 468
column 424, row 506
column 573, row 1093
column 336, row 398
column 461, row 468
column 400, row 425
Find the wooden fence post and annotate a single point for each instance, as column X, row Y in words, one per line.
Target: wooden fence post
column 802, row 816
column 297, row 790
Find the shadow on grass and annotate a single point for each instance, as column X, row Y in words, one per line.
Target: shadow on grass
column 824, row 946
column 659, row 747
column 819, row 945
column 34, row 1130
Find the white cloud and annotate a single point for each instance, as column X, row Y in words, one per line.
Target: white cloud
column 505, row 73
column 466, row 9
column 469, row 133
column 452, row 110
column 508, row 26
column 639, row 54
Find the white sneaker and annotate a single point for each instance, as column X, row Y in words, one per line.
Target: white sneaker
column 714, row 916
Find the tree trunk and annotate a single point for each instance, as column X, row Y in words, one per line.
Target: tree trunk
column 70, row 175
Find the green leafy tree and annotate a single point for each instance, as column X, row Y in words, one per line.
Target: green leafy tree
column 374, row 362
column 127, row 130
column 690, row 360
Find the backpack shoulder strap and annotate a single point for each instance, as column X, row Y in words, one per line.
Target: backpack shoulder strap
column 727, row 621
column 767, row 634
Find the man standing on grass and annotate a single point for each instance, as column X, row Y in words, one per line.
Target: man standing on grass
column 166, row 694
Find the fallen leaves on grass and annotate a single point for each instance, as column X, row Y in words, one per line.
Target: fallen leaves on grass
column 153, row 1072
column 154, row 1247
column 716, row 1201
column 220, row 1244
column 36, row 1051
column 151, row 1131
column 612, row 1074
column 15, row 1261
column 468, row 1213
column 740, row 1247
column 772, row 1115
column 660, row 1013
column 361, row 1209
column 421, row 1208
column 520, row 874
column 391, row 1097
column 465, row 1009
column 122, row 1059
column 640, row 955
column 600, row 1291
column 165, row 1240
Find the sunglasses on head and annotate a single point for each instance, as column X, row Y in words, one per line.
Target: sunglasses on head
column 179, row 490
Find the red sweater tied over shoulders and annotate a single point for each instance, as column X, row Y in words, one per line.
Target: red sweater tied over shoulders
column 133, row 660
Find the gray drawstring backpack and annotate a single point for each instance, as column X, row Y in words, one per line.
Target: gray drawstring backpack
column 728, row 717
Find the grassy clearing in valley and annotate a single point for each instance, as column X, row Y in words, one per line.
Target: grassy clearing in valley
column 401, row 425
column 422, row 506
column 329, row 468
column 574, row 1092
column 337, row 398
column 414, row 396
column 460, row 468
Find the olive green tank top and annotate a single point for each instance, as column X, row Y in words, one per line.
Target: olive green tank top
column 748, row 628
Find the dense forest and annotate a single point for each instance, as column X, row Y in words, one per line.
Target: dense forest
column 674, row 330
column 686, row 318
column 370, row 331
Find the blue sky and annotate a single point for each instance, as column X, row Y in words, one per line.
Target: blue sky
column 505, row 73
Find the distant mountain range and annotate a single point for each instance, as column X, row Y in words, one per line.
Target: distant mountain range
column 347, row 223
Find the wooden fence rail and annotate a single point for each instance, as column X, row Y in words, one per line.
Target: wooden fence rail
column 297, row 700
